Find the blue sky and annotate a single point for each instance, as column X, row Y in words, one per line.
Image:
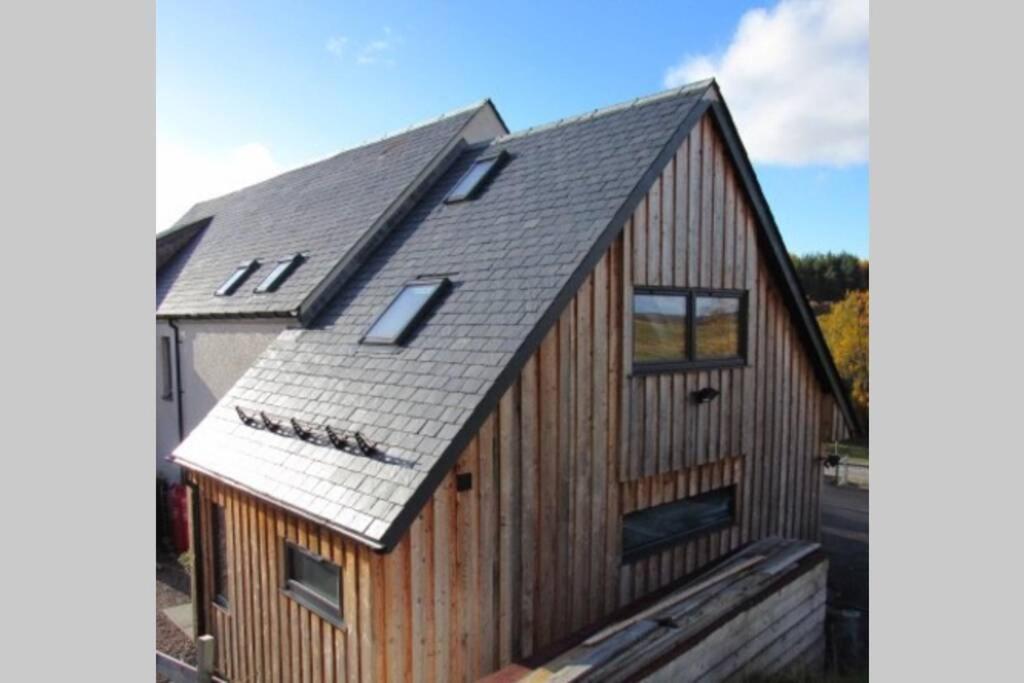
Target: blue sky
column 247, row 90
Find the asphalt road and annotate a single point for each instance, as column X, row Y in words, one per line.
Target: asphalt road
column 844, row 514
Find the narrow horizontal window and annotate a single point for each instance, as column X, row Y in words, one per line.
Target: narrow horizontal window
column 474, row 178
column 279, row 274
column 313, row 581
column 405, row 311
column 717, row 321
column 243, row 271
column 219, row 541
column 647, row 531
column 683, row 328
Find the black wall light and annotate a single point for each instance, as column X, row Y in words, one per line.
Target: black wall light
column 704, row 395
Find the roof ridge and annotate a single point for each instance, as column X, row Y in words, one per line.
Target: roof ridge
column 610, row 109
column 365, row 143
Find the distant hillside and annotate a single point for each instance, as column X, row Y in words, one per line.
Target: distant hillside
column 826, row 278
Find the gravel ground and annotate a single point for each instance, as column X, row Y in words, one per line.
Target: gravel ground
column 172, row 588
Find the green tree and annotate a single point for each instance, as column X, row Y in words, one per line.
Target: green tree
column 846, row 331
column 828, row 277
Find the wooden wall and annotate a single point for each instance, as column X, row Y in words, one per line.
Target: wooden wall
column 531, row 553
column 264, row 635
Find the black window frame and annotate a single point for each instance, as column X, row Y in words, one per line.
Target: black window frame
column 441, row 287
column 654, row 547
column 306, row 596
column 166, row 368
column 691, row 362
column 237, row 278
column 282, row 269
column 495, row 161
column 221, row 591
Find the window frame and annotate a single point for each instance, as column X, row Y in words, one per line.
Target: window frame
column 275, row 278
column 221, row 599
column 305, row 596
column 166, row 368
column 691, row 362
column 495, row 161
column 237, row 278
column 441, row 287
column 655, row 547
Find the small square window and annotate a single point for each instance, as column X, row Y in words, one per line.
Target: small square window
column 281, row 271
column 237, row 278
column 473, row 179
column 717, row 327
column 659, row 327
column 313, row 582
column 404, row 311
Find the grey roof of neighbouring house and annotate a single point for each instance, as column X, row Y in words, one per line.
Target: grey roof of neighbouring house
column 515, row 255
column 322, row 210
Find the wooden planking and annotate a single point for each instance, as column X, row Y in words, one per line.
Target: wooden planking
column 531, row 552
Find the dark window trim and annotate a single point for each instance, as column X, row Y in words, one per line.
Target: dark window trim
column 496, row 160
column 693, row 363
column 442, row 285
column 166, row 369
column 656, row 547
column 307, row 597
column 272, row 282
column 238, row 276
column 221, row 600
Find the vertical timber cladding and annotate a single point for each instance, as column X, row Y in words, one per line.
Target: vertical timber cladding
column 264, row 635
column 531, row 552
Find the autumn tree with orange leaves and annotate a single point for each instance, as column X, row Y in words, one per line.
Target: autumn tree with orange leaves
column 846, row 330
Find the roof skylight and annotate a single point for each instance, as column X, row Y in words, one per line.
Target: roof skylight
column 480, row 171
column 405, row 311
column 237, row 278
column 281, row 271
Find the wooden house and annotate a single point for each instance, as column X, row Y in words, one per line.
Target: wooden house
column 573, row 369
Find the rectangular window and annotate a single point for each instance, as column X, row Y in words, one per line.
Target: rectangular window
column 682, row 328
column 279, row 274
column 219, row 541
column 405, row 310
column 166, row 369
column 717, row 320
column 474, row 178
column 236, row 278
column 647, row 531
column 313, row 582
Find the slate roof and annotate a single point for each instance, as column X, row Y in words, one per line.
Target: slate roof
column 514, row 254
column 321, row 210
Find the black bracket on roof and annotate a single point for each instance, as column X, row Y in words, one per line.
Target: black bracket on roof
column 365, row 447
column 270, row 424
column 247, row 420
column 301, row 432
column 337, row 441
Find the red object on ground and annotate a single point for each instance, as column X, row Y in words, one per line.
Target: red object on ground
column 177, row 499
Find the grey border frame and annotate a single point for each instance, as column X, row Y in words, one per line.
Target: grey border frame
column 441, row 287
column 692, row 362
column 307, row 597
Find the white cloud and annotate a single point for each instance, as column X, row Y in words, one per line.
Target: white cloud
column 336, row 45
column 185, row 175
column 796, row 80
column 379, row 51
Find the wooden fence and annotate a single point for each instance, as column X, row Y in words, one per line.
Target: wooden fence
column 180, row 672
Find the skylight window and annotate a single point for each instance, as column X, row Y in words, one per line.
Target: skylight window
column 281, row 271
column 405, row 311
column 238, row 277
column 480, row 171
